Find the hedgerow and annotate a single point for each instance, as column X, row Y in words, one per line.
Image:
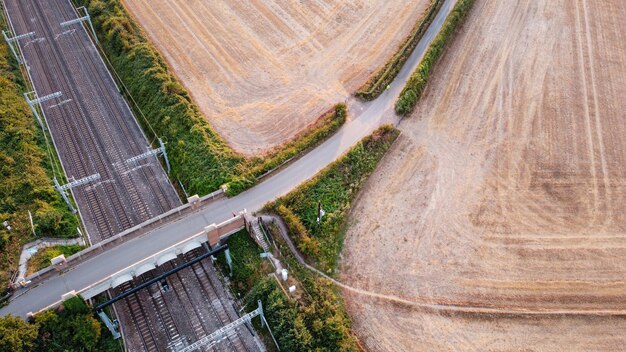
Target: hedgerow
column 386, row 74
column 25, row 172
column 417, row 82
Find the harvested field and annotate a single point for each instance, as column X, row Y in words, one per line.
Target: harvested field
column 507, row 189
column 262, row 71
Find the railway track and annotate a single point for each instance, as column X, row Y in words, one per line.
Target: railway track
column 91, row 125
column 94, row 131
column 132, row 305
column 210, row 291
column 184, row 310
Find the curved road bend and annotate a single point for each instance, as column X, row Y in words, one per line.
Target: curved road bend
column 366, row 118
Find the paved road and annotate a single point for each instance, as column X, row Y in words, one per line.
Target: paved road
column 366, row 118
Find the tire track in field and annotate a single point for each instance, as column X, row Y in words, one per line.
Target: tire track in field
column 590, row 143
column 598, row 123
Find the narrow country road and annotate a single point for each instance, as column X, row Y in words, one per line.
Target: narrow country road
column 365, row 118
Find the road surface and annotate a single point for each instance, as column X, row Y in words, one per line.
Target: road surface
column 366, row 118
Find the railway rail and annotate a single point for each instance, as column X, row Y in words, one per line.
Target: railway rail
column 182, row 309
column 94, row 131
column 92, row 127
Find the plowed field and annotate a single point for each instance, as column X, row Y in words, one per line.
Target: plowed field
column 506, row 190
column 261, row 71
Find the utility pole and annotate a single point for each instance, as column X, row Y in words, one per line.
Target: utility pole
column 75, row 183
column 151, row 152
column 32, row 103
column 86, row 17
column 15, row 39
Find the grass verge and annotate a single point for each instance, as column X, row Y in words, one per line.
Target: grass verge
column 41, row 259
column 257, row 167
column 417, row 82
column 200, row 158
column 25, row 172
column 386, row 74
column 334, row 189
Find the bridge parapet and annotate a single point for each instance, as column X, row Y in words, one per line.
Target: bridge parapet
column 131, row 233
column 223, row 230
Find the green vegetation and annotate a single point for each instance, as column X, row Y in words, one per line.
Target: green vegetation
column 16, row 335
column 25, row 172
column 386, row 74
column 200, row 158
column 41, row 259
column 250, row 268
column 416, row 84
column 71, row 328
column 315, row 318
column 335, row 188
column 315, row 321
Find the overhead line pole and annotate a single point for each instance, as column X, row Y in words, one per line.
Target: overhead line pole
column 87, row 18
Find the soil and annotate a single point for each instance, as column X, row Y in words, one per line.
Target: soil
column 507, row 189
column 262, row 71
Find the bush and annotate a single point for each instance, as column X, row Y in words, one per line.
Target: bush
column 417, row 82
column 319, row 323
column 42, row 258
column 407, row 101
column 386, row 74
column 16, row 335
column 73, row 328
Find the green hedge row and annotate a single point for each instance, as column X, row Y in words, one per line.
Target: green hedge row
column 200, row 158
column 334, row 187
column 416, row 84
column 386, row 74
column 25, row 172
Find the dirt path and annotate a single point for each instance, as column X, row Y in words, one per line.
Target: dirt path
column 261, row 71
column 507, row 189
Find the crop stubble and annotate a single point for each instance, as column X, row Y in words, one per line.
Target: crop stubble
column 507, row 189
column 262, row 71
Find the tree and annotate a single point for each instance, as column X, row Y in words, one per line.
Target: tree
column 16, row 335
column 86, row 332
